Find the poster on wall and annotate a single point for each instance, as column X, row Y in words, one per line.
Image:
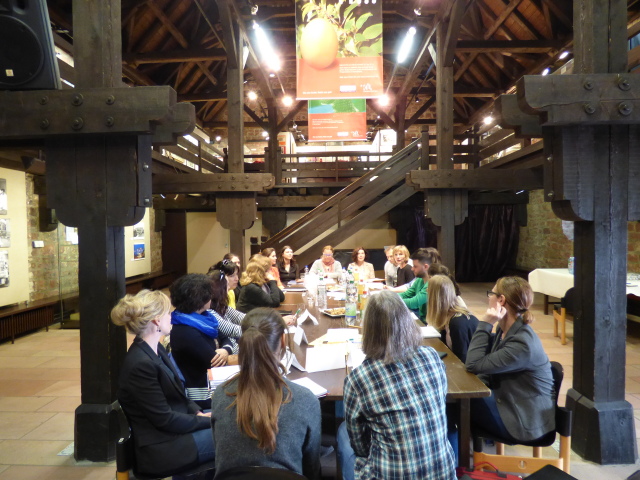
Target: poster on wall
column 71, row 234
column 138, row 230
column 5, row 233
column 4, row 268
column 138, row 251
column 337, row 120
column 338, row 49
column 3, row 196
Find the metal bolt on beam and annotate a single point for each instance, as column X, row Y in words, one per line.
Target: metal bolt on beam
column 77, row 100
column 623, row 83
column 77, row 123
column 110, row 100
column 43, row 100
column 625, row 108
column 44, row 124
column 588, row 85
column 589, row 108
column 109, row 122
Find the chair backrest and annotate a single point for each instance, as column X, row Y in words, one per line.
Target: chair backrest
column 259, row 473
column 558, row 375
column 568, row 301
column 124, row 442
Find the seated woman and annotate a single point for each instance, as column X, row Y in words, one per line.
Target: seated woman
column 390, row 269
column 364, row 269
column 231, row 273
column 287, row 266
column 259, row 288
column 327, row 265
column 513, row 364
column 194, row 334
column 455, row 323
column 259, row 417
column 229, row 318
column 170, row 431
column 270, row 253
column 405, row 273
column 232, row 257
column 399, row 385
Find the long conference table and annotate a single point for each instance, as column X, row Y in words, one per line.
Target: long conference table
column 462, row 386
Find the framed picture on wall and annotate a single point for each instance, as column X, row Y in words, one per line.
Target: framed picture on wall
column 3, row 196
column 5, row 233
column 4, row 268
column 138, row 230
column 138, row 251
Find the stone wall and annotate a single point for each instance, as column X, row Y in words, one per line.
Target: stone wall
column 53, row 269
column 543, row 243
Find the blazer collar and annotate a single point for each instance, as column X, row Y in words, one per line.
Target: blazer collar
column 162, row 360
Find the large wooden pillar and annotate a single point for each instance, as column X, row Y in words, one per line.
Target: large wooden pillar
column 591, row 131
column 447, row 208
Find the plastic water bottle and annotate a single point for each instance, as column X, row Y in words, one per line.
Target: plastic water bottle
column 350, row 305
column 364, row 298
column 322, row 292
column 342, row 281
column 306, row 271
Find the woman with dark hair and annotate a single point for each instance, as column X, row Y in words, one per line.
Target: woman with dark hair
column 395, row 423
column 259, row 417
column 231, row 273
column 232, row 257
column 194, row 334
column 259, row 288
column 270, row 253
column 439, row 269
column 229, row 318
column 513, row 364
column 171, row 432
column 364, row 268
column 287, row 266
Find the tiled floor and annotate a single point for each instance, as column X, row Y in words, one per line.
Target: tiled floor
column 40, row 389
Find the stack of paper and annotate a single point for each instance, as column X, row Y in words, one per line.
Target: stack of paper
column 317, row 390
column 219, row 375
column 429, row 332
column 326, row 357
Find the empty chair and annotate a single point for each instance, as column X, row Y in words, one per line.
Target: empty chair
column 560, row 311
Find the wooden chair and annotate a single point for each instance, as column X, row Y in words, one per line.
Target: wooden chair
column 259, row 473
column 560, row 311
column 125, row 456
column 517, row 464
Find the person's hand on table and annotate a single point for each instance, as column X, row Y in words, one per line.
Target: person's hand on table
column 202, row 414
column 289, row 319
column 494, row 315
column 221, row 358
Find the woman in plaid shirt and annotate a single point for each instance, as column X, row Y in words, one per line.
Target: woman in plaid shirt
column 395, row 422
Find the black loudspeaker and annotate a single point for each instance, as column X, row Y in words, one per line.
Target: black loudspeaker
column 27, row 53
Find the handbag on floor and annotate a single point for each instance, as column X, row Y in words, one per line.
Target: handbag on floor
column 465, row 474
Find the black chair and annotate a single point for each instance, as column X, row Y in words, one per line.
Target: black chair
column 125, row 455
column 519, row 464
column 259, row 473
column 560, row 311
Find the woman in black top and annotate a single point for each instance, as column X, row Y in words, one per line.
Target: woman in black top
column 259, row 288
column 287, row 266
column 405, row 273
column 194, row 334
column 171, row 433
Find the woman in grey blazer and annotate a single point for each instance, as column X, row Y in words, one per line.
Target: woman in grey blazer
column 514, row 365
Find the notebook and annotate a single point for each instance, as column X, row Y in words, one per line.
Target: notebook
column 316, row 389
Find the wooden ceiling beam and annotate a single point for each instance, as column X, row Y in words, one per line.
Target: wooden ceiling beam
column 508, row 46
column 256, row 118
column 291, row 115
column 175, row 56
column 382, row 114
column 212, row 124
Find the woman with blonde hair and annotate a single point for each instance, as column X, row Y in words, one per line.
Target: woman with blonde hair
column 514, row 365
column 259, row 417
column 405, row 273
column 455, row 323
column 395, row 423
column 259, row 287
column 171, row 433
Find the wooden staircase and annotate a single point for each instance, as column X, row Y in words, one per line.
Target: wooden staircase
column 316, row 229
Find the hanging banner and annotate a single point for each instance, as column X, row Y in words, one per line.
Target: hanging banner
column 339, row 49
column 337, row 120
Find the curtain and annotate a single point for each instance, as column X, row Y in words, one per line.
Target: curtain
column 486, row 243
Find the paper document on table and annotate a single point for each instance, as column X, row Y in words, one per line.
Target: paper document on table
column 316, row 389
column 429, row 332
column 307, row 316
column 337, row 296
column 219, row 375
column 299, row 336
column 326, row 357
column 356, row 355
column 336, row 335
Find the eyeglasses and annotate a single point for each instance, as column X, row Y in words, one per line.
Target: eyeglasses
column 491, row 292
column 328, row 254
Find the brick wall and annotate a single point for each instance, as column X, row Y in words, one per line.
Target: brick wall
column 544, row 245
column 53, row 269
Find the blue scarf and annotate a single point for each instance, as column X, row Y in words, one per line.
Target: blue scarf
column 206, row 322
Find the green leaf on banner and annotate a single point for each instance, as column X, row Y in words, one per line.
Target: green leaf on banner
column 373, row 31
column 363, row 18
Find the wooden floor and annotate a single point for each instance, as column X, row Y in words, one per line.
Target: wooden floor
column 40, row 389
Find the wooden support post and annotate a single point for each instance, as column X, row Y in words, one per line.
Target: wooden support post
column 401, row 109
column 424, row 140
column 235, row 106
column 272, row 160
column 237, row 244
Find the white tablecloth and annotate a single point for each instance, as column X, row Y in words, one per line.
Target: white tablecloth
column 556, row 281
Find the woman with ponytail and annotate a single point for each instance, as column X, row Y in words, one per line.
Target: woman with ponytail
column 513, row 364
column 170, row 432
column 259, row 417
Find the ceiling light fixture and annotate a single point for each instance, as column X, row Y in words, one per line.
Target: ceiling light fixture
column 405, row 47
column 252, row 95
column 546, row 71
column 383, row 100
column 264, row 133
column 563, row 55
column 269, row 55
column 488, row 120
column 287, row 101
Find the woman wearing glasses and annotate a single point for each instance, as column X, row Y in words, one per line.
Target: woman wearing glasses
column 327, row 265
column 513, row 364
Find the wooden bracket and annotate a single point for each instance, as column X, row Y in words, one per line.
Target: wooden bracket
column 29, row 115
column 510, row 116
column 478, row 179
column 212, row 182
